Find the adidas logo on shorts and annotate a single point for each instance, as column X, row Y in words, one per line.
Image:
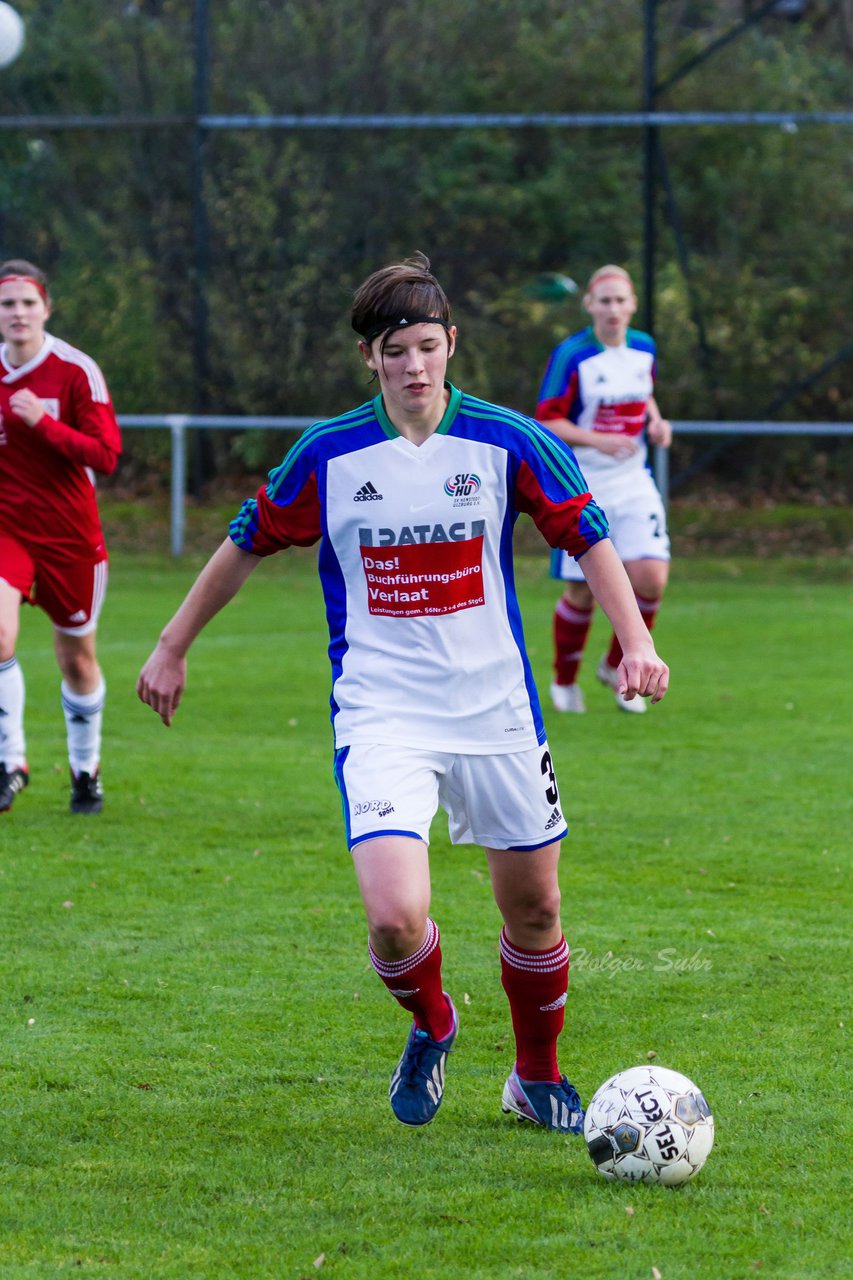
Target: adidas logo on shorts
column 554, row 820
column 367, row 493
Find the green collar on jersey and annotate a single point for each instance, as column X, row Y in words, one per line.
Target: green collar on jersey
column 443, row 427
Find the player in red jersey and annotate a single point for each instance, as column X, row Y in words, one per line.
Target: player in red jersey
column 57, row 427
column 597, row 395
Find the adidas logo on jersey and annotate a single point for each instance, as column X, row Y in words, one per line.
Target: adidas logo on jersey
column 555, row 818
column 367, row 493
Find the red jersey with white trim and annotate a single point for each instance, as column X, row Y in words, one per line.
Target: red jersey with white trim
column 47, row 489
column 606, row 389
column 417, row 570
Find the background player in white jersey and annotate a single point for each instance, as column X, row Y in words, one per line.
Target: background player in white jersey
column 57, row 427
column 413, row 497
column 597, row 396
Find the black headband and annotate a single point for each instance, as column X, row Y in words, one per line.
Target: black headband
column 400, row 322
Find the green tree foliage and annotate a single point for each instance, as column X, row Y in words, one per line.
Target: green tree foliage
column 753, row 293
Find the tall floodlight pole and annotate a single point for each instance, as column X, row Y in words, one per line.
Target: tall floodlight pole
column 200, row 231
column 650, row 142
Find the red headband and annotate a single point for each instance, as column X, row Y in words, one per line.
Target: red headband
column 610, row 275
column 29, row 280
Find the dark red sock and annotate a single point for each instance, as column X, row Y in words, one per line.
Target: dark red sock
column 571, row 628
column 415, row 983
column 649, row 610
column 536, row 983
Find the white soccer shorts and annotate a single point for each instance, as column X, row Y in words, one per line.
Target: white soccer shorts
column 499, row 801
column 638, row 530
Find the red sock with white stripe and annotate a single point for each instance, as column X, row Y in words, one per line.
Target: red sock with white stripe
column 536, row 984
column 649, row 610
column 571, row 628
column 415, row 983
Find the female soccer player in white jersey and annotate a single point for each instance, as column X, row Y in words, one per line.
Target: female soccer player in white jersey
column 597, row 396
column 57, row 427
column 413, row 497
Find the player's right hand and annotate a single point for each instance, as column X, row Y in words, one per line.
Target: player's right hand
column 27, row 406
column 615, row 444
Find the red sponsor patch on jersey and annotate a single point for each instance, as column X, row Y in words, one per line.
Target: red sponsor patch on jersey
column 627, row 418
column 425, row 579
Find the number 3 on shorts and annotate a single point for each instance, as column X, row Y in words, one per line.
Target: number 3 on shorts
column 551, row 793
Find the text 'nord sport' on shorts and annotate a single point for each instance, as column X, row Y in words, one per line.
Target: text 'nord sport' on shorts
column 499, row 801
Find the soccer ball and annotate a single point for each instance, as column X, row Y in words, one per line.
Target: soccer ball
column 11, row 34
column 649, row 1124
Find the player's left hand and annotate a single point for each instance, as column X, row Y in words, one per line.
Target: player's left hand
column 646, row 675
column 161, row 683
column 27, row 406
column 659, row 432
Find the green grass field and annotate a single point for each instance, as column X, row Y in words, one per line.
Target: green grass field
column 196, row 1052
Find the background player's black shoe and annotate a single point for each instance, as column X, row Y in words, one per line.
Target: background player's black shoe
column 87, row 794
column 11, row 782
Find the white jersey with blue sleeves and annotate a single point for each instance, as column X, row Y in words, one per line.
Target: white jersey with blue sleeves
column 416, row 565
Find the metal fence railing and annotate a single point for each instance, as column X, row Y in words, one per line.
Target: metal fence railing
column 180, row 424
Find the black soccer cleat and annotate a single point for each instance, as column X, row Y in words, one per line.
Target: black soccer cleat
column 11, row 782
column 87, row 794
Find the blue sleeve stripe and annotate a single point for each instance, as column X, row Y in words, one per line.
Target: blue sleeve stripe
column 244, row 526
column 592, row 518
column 570, row 352
column 360, row 417
column 639, row 341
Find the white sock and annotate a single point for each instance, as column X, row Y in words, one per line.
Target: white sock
column 13, row 747
column 84, row 713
